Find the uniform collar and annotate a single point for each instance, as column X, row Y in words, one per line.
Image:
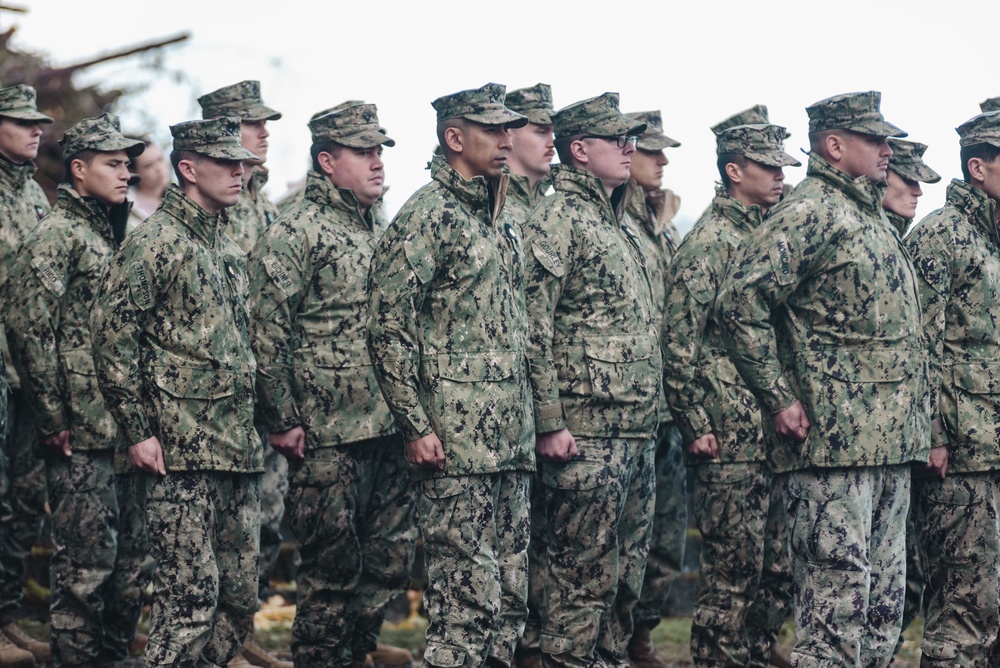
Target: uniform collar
column 860, row 189
column 567, row 178
column 977, row 206
column 203, row 224
column 475, row 192
column 746, row 218
column 320, row 190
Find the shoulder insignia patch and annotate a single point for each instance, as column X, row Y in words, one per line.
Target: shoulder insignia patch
column 278, row 273
column 48, row 276
column 139, row 287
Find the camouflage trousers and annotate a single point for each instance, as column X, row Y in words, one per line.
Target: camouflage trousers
column 847, row 533
column 670, row 520
column 353, row 513
column 960, row 545
column 97, row 568
column 203, row 529
column 914, row 594
column 537, row 548
column 745, row 577
column 475, row 531
column 599, row 510
column 273, row 487
column 26, row 496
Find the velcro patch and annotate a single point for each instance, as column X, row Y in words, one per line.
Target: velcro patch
column 52, row 281
column 782, row 263
column 139, row 287
column 278, row 273
column 548, row 257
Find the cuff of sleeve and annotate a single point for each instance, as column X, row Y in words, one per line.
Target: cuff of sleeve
column 778, row 397
column 135, row 429
column 549, row 417
column 938, row 436
column 414, row 425
column 49, row 423
column 693, row 423
column 282, row 418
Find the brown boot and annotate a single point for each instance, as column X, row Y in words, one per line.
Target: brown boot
column 40, row 650
column 12, row 656
column 777, row 659
column 528, row 658
column 259, row 656
column 641, row 653
column 387, row 656
column 240, row 661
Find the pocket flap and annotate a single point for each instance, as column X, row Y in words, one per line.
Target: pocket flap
column 338, row 354
column 79, row 361
column 193, row 382
column 420, row 261
column 869, row 366
column 618, row 348
column 978, row 377
column 470, row 367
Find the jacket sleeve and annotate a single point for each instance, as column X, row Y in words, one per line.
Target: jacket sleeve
column 279, row 275
column 38, row 283
column 403, row 268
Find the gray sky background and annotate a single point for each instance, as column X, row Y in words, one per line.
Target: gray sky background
column 696, row 61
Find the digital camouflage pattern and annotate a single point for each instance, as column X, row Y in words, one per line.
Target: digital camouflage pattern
column 21, row 102
column 171, row 345
column 744, row 580
column 217, row 138
column 203, row 530
column 253, row 213
column 447, row 338
column 858, row 112
column 522, row 198
column 907, row 161
column 960, row 550
column 760, row 143
column 534, row 102
column 446, row 325
column 482, row 105
column 824, row 309
column 702, row 386
column 354, row 514
column 992, row 104
column 981, row 129
column 242, row 100
column 847, row 542
column 596, row 115
column 58, row 274
column 594, row 346
column 755, row 115
column 355, row 125
column 652, row 139
column 102, row 133
column 599, row 510
column 308, row 308
column 98, row 568
column 956, row 253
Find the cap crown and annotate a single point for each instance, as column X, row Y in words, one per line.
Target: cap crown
column 101, row 133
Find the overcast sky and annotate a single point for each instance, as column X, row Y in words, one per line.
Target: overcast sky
column 696, row 61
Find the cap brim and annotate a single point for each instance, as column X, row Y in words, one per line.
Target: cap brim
column 498, row 115
column 132, row 147
column 368, row 139
column 656, row 142
column 261, row 112
column 921, row 173
column 878, row 129
column 774, row 159
column 226, row 153
column 27, row 115
column 538, row 116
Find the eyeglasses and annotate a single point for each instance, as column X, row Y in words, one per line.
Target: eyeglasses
column 621, row 140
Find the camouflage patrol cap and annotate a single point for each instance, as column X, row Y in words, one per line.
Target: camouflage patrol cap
column 992, row 104
column 760, row 143
column 534, row 102
column 215, row 137
column 857, row 112
column 755, row 115
column 653, row 138
column 339, row 107
column 20, row 102
column 907, row 161
column 355, row 126
column 241, row 99
column 103, row 133
column 596, row 116
column 981, row 129
column 481, row 105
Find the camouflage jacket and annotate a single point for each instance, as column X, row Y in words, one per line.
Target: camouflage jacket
column 521, row 199
column 703, row 387
column 171, row 344
column 446, row 327
column 956, row 253
column 57, row 276
column 898, row 222
column 252, row 214
column 308, row 309
column 822, row 306
column 594, row 345
column 22, row 204
column 653, row 213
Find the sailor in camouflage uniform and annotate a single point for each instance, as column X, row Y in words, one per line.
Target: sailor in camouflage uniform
column 447, row 337
column 956, row 253
column 96, row 569
column 906, row 172
column 744, row 586
column 653, row 208
column 349, row 500
column 22, row 508
column 594, row 348
column 174, row 362
column 820, row 315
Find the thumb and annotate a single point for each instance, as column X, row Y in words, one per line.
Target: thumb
column 160, row 466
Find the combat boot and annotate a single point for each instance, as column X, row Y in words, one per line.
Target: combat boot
column 12, row 656
column 641, row 653
column 387, row 656
column 239, row 661
column 38, row 649
column 259, row 656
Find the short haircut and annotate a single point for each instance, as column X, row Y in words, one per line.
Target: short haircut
column 562, row 145
column 442, row 128
column 87, row 156
column 724, row 159
column 175, row 160
column 326, row 146
column 985, row 152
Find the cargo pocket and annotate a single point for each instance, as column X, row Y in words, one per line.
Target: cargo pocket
column 444, row 656
column 480, row 399
column 194, row 403
column 85, row 399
